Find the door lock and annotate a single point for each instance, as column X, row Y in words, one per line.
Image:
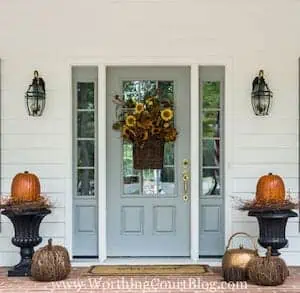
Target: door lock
column 185, row 178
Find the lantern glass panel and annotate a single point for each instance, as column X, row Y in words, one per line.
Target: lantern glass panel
column 35, row 100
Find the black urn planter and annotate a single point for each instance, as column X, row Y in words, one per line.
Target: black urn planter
column 272, row 226
column 26, row 226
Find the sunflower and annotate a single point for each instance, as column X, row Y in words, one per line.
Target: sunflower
column 130, row 121
column 166, row 114
column 139, row 108
column 128, row 132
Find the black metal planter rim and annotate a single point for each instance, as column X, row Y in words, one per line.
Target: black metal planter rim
column 273, row 214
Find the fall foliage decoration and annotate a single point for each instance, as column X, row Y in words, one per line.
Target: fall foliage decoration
column 25, row 187
column 270, row 189
column 50, row 263
column 267, row 271
column 149, row 118
column 8, row 203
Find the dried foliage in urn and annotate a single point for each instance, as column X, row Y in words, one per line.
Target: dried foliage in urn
column 50, row 263
column 267, row 271
column 287, row 204
column 10, row 203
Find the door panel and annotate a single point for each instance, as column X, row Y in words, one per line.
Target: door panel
column 211, row 201
column 85, row 210
column 147, row 215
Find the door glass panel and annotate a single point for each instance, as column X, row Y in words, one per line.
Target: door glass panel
column 166, row 90
column 131, row 177
column 211, row 152
column 85, row 129
column 210, row 120
column 85, row 121
column 211, row 181
column 211, row 95
column 135, row 90
column 167, row 178
column 86, row 152
column 85, row 182
column 85, row 95
column 148, row 182
column 210, row 123
column 169, row 154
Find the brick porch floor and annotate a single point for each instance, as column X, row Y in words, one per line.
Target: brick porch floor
column 78, row 282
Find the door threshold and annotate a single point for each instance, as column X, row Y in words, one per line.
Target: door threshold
column 147, row 261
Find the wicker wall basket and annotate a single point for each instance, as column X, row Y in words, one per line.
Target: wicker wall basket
column 150, row 155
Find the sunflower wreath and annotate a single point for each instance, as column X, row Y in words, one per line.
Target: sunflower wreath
column 145, row 120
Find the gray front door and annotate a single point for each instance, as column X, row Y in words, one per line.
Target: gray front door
column 147, row 214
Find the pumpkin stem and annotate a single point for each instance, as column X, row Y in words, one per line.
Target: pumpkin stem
column 50, row 243
column 270, row 173
column 26, row 172
column 269, row 252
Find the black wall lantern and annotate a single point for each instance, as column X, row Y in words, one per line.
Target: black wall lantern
column 35, row 97
column 261, row 96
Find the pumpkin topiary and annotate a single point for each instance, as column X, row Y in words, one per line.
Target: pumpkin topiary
column 270, row 189
column 50, row 263
column 267, row 271
column 25, row 187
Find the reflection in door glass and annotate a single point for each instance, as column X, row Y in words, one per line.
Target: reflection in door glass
column 131, row 177
column 85, row 182
column 148, row 182
column 211, row 181
column 86, row 122
column 210, row 123
column 211, row 95
column 85, row 149
column 85, row 95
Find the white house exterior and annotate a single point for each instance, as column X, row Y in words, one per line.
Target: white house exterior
column 241, row 37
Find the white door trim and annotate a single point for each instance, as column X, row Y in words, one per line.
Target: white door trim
column 102, row 241
column 194, row 145
column 194, row 64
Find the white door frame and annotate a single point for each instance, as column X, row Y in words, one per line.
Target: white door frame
column 194, row 152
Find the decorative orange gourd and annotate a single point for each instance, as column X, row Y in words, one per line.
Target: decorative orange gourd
column 25, row 187
column 270, row 189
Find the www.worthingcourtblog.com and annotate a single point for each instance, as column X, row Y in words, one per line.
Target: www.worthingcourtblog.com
column 123, row 283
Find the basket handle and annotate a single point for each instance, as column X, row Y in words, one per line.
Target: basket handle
column 241, row 233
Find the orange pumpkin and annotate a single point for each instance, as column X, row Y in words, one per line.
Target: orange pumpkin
column 25, row 187
column 270, row 189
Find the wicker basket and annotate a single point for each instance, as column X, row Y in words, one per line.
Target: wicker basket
column 150, row 155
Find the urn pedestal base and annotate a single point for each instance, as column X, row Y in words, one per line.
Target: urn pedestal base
column 272, row 226
column 26, row 226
